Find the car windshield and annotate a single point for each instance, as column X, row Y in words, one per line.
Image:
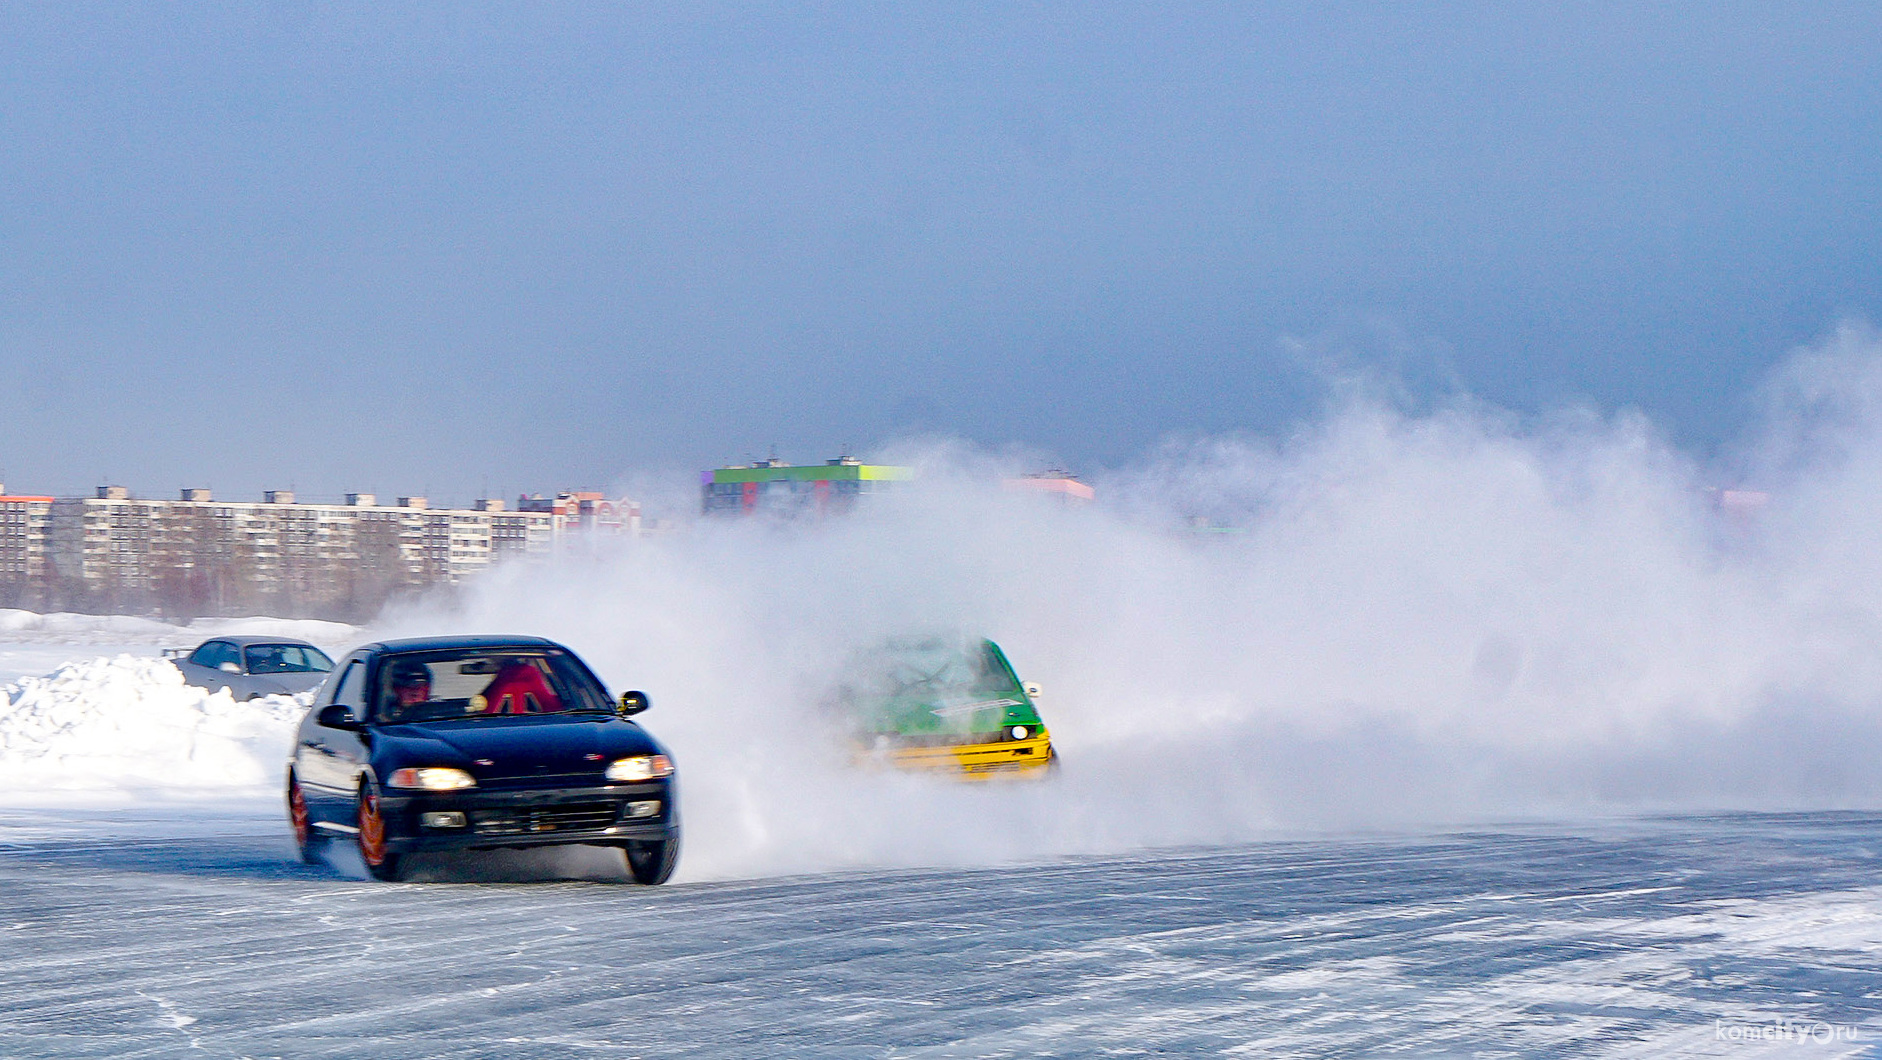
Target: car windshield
column 933, row 671
column 928, row 686
column 286, row 659
column 478, row 683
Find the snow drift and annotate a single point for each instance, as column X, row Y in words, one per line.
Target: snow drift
column 64, row 627
column 130, row 725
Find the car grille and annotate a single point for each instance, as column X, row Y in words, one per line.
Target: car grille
column 561, row 817
column 1016, row 766
column 500, row 782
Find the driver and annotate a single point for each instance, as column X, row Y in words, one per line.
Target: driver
column 411, row 684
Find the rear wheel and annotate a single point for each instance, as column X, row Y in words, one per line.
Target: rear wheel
column 651, row 861
column 306, row 838
column 383, row 864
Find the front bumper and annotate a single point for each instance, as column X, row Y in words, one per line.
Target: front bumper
column 1028, row 759
column 529, row 817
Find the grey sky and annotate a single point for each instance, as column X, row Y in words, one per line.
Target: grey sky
column 406, row 247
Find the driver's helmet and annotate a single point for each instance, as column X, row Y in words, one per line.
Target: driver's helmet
column 409, row 673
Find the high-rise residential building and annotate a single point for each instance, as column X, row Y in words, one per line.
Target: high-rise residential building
column 772, row 486
column 23, row 522
column 196, row 555
column 199, row 555
column 584, row 511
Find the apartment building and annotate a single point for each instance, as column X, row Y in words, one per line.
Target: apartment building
column 23, row 522
column 774, row 487
column 584, row 515
column 197, row 554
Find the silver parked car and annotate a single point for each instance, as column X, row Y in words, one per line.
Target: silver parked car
column 253, row 666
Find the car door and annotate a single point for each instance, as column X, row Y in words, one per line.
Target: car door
column 256, row 679
column 328, row 760
column 241, row 686
column 204, row 666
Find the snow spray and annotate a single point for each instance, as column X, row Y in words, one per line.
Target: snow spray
column 1384, row 619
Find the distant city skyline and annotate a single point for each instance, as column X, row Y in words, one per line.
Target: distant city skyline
column 394, row 498
column 254, row 246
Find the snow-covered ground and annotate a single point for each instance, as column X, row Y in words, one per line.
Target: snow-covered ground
column 192, row 932
column 151, row 905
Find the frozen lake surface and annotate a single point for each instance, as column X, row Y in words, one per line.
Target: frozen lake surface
column 187, row 932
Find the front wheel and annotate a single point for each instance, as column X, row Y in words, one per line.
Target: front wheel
column 651, row 861
column 381, row 863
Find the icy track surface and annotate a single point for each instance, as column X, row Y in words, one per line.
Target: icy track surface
column 193, row 934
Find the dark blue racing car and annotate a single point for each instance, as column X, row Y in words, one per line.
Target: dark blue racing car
column 467, row 743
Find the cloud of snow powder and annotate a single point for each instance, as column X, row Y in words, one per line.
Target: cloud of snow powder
column 1386, row 619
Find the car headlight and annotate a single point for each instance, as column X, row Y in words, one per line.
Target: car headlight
column 641, row 767
column 432, row 778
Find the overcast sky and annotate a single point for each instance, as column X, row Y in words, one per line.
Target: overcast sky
column 456, row 247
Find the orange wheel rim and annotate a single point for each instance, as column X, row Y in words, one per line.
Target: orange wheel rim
column 372, row 831
column 297, row 812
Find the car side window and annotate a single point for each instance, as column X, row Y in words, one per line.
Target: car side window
column 351, row 691
column 278, row 659
column 213, row 654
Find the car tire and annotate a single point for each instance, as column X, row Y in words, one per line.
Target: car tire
column 651, row 861
column 381, row 864
column 307, row 838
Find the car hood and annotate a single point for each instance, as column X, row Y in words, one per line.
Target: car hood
column 515, row 750
column 955, row 715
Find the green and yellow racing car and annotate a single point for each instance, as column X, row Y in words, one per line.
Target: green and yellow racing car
column 945, row 704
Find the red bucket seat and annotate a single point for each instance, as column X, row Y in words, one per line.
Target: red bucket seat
column 520, row 689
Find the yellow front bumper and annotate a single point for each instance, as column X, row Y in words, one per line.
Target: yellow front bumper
column 1030, row 758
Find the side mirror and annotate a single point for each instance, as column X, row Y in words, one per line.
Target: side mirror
column 230, row 668
column 1032, row 690
column 337, row 716
column 633, row 703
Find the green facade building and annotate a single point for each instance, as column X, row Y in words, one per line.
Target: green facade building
column 775, row 487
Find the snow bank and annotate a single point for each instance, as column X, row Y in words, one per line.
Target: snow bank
column 65, row 625
column 130, row 724
column 333, row 636
column 67, row 628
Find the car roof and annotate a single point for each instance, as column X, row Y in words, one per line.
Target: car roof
column 441, row 643
column 246, row 641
